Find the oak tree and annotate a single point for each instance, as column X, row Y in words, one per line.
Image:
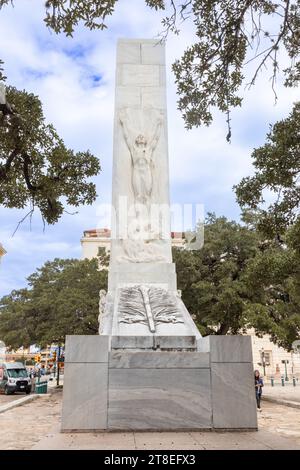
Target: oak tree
column 240, row 280
column 62, row 298
column 276, row 178
column 229, row 37
column 37, row 170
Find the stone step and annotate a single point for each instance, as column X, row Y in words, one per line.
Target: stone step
column 155, row 342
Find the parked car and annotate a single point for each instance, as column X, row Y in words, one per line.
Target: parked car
column 14, row 378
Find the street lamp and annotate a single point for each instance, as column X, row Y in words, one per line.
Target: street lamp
column 263, row 360
column 285, row 362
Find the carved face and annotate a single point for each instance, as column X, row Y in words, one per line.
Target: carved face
column 141, row 141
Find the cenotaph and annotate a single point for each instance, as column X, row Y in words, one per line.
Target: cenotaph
column 149, row 368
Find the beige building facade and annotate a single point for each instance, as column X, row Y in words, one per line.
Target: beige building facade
column 273, row 361
column 2, row 251
column 94, row 239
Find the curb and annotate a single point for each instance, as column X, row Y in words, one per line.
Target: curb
column 291, row 404
column 20, row 402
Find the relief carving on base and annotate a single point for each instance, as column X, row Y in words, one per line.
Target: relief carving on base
column 148, row 306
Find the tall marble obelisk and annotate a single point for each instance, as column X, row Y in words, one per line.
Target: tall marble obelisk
column 140, row 166
column 142, row 296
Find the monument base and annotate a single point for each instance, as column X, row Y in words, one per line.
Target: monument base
column 110, row 390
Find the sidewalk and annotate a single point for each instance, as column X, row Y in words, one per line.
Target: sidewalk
column 53, row 383
column 259, row 440
column 18, row 402
column 287, row 395
column 22, row 427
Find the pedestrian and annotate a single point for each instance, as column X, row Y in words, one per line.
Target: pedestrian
column 258, row 387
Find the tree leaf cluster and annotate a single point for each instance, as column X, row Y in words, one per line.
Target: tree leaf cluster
column 276, row 177
column 62, row 298
column 37, row 170
column 230, row 36
column 240, row 280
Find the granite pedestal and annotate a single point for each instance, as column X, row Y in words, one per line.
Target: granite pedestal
column 107, row 389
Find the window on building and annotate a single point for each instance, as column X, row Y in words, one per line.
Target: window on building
column 267, row 356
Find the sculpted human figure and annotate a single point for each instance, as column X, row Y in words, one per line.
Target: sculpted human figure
column 141, row 152
column 102, row 300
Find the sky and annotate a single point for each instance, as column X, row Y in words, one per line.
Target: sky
column 75, row 80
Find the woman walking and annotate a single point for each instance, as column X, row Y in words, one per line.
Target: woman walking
column 258, row 387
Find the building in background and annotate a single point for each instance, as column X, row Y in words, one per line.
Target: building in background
column 273, row 361
column 2, row 352
column 94, row 239
column 34, row 356
column 2, row 251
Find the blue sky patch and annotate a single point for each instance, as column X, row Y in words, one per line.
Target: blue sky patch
column 36, row 74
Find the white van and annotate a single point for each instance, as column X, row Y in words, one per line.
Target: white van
column 14, row 378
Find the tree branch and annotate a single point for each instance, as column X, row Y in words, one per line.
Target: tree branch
column 30, row 186
column 22, row 220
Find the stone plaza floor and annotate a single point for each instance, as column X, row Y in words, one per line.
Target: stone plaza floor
column 288, row 392
column 36, row 426
column 22, row 427
column 5, row 399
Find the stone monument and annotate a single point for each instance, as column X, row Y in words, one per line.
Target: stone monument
column 149, row 368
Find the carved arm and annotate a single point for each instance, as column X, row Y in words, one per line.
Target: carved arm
column 155, row 139
column 123, row 120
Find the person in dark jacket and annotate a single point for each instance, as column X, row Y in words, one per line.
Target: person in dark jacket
column 258, row 387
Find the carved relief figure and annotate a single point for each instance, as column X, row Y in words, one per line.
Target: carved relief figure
column 139, row 247
column 102, row 301
column 141, row 151
column 139, row 251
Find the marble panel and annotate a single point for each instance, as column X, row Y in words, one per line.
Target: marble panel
column 157, row 360
column 145, row 399
column 87, row 348
column 233, row 396
column 85, row 397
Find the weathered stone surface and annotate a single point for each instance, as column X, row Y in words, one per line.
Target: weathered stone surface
column 159, row 399
column 85, row 396
column 175, row 342
column 152, row 53
column 134, row 342
column 157, row 360
column 230, row 348
column 87, row 348
column 233, row 396
column 128, row 52
column 149, row 341
column 139, row 75
column 162, row 76
column 122, row 274
column 128, row 94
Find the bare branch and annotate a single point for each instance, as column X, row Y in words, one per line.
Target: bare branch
column 22, row 220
